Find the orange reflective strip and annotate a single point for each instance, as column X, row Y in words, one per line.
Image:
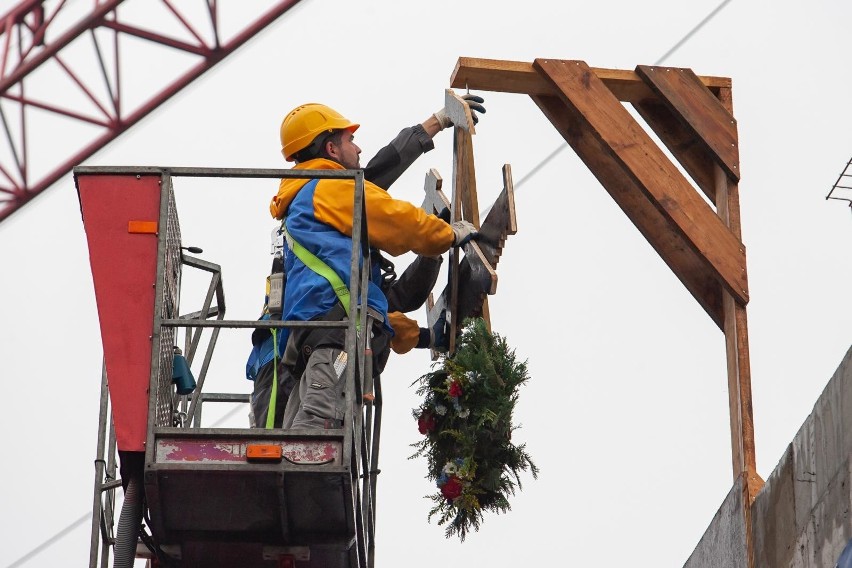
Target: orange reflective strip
column 145, row 227
column 270, row 452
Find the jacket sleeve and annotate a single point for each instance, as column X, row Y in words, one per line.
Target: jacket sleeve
column 391, row 161
column 406, row 332
column 394, row 226
column 412, row 288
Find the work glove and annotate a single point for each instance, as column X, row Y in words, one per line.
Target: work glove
column 474, row 102
column 463, row 231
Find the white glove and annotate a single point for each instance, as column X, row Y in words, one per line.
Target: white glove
column 463, row 231
column 474, row 102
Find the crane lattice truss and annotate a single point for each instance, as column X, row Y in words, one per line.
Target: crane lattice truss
column 74, row 76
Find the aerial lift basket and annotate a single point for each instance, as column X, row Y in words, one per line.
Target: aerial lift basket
column 210, row 496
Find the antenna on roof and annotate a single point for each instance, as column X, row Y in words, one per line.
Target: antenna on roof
column 843, row 185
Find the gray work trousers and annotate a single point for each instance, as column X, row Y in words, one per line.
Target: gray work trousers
column 260, row 396
column 319, row 401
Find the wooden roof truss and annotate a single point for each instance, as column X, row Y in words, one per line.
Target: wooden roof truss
column 699, row 239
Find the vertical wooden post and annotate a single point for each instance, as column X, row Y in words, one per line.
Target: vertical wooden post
column 736, row 345
column 461, row 147
column 465, row 205
column 469, row 197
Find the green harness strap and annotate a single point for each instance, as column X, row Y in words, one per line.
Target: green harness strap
column 273, row 397
column 311, row 261
column 341, row 290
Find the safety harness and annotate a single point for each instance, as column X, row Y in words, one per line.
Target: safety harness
column 341, row 290
column 310, row 260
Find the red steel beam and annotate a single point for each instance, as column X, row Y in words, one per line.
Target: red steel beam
column 34, row 45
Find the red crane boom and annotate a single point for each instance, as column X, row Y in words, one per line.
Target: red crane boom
column 53, row 80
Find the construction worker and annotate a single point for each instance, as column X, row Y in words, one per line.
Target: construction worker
column 319, row 212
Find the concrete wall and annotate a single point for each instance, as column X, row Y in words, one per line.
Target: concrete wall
column 801, row 518
column 723, row 544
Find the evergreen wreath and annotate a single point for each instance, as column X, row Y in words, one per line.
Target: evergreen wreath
column 466, row 420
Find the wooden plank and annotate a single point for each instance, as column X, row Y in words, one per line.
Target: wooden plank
column 670, row 245
column 433, row 312
column 485, row 311
column 638, row 157
column 476, row 277
column 464, row 178
column 505, row 218
column 738, row 415
column 681, row 143
column 458, row 111
column 500, row 221
column 521, row 77
column 456, row 213
column 435, row 201
column 465, row 206
column 737, row 345
column 477, row 280
column 469, row 198
column 700, row 111
column 743, row 453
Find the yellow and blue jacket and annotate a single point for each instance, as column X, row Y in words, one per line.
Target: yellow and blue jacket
column 318, row 214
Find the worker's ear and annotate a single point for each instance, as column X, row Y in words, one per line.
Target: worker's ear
column 331, row 149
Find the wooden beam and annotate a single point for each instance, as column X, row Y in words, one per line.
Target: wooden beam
column 521, row 77
column 736, row 340
column 639, row 158
column 464, row 179
column 433, row 312
column 464, row 206
column 681, row 143
column 699, row 111
column 477, row 279
column 682, row 259
column 458, row 111
column 435, row 201
column 464, row 186
column 743, row 454
column 500, row 221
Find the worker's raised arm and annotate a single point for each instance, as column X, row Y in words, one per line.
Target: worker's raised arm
column 412, row 142
column 393, row 225
column 391, row 161
column 441, row 119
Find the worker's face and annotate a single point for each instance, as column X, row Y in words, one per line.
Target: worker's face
column 347, row 153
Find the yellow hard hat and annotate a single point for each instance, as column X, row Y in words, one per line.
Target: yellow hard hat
column 305, row 122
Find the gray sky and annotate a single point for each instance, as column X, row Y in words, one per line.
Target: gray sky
column 626, row 412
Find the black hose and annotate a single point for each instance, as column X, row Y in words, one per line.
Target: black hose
column 129, row 523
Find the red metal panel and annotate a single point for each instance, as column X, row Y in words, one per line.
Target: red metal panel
column 124, row 267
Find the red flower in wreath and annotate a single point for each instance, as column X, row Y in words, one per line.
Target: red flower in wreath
column 455, row 389
column 426, row 423
column 452, row 488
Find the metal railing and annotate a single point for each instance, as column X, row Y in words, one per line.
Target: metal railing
column 168, row 409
